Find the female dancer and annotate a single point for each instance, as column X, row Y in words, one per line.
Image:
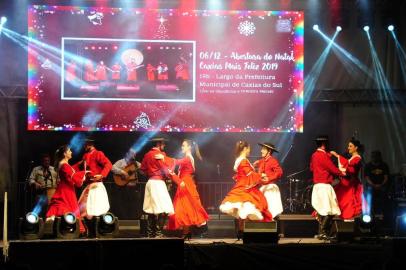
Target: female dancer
column 189, row 210
column 64, row 199
column 245, row 201
column 349, row 189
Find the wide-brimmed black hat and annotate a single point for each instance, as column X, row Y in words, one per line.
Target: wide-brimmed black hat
column 269, row 146
column 322, row 138
column 159, row 139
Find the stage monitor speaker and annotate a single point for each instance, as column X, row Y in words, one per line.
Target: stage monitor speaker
column 345, row 230
column 260, row 232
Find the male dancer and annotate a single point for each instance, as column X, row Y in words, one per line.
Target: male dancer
column 157, row 202
column 324, row 199
column 94, row 200
column 271, row 172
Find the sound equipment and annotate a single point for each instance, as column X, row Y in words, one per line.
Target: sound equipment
column 260, row 232
column 345, row 230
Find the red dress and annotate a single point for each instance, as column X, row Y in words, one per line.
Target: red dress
column 247, row 177
column 188, row 208
column 131, row 72
column 116, row 69
column 349, row 190
column 89, row 72
column 64, row 199
column 101, row 72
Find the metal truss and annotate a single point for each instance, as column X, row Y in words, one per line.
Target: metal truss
column 359, row 96
column 13, row 92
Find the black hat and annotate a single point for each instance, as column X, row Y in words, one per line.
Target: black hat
column 269, row 146
column 159, row 139
column 322, row 138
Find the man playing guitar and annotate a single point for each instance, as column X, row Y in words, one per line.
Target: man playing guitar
column 125, row 170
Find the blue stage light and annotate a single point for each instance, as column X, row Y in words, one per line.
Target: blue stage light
column 3, row 20
column 391, row 27
column 108, row 218
column 338, row 28
column 366, row 218
column 366, row 28
column 315, row 27
column 69, row 218
column 32, row 218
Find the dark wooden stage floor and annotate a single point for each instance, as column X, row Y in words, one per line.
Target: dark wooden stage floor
column 296, row 249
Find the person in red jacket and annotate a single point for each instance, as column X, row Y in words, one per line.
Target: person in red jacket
column 324, row 199
column 271, row 172
column 245, row 201
column 157, row 201
column 64, row 199
column 94, row 200
column 349, row 190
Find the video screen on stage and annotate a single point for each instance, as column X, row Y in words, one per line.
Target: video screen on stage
column 139, row 69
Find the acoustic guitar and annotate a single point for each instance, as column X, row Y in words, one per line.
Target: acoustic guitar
column 131, row 170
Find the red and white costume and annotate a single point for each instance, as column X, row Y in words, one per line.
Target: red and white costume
column 156, row 197
column 116, row 72
column 349, row 189
column 64, row 200
column 89, row 72
column 324, row 199
column 182, row 71
column 101, row 72
column 273, row 171
column 94, row 200
column 188, row 207
column 151, row 72
column 245, row 201
column 131, row 72
column 162, row 72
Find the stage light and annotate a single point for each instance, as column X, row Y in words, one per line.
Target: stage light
column 31, row 227
column 338, row 28
column 107, row 226
column 3, row 20
column 391, row 28
column 67, row 226
column 366, row 28
column 315, row 27
column 366, row 218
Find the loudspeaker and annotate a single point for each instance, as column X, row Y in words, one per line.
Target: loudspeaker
column 344, row 230
column 260, row 232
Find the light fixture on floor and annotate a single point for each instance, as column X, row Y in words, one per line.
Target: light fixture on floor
column 67, row 226
column 107, row 226
column 31, row 227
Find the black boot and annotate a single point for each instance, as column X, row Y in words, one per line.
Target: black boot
column 151, row 226
column 326, row 228
column 161, row 225
column 203, row 231
column 320, row 220
column 239, row 228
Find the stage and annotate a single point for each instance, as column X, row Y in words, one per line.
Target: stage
column 219, row 253
column 295, row 247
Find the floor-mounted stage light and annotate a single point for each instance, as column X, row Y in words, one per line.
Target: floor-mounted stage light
column 67, row 226
column 31, row 227
column 107, row 226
